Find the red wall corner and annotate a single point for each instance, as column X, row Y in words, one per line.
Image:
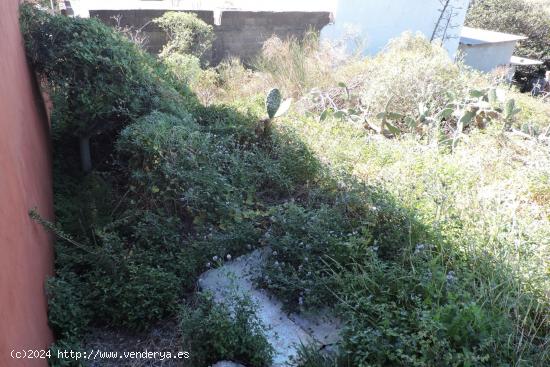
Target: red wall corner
column 26, row 254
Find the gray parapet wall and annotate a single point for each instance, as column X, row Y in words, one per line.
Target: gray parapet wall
column 240, row 33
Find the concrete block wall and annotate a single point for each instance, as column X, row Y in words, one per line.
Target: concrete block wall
column 243, row 34
column 240, row 34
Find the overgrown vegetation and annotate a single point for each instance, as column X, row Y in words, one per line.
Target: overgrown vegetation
column 176, row 183
column 98, row 79
column 434, row 254
column 437, row 284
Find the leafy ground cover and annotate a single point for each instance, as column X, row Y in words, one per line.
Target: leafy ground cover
column 416, row 204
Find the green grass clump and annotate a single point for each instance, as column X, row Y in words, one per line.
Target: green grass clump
column 418, row 315
column 213, row 332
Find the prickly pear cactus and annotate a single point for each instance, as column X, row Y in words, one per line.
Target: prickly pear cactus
column 273, row 102
column 510, row 109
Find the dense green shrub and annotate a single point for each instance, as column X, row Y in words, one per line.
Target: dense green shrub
column 208, row 174
column 114, row 281
column 187, row 35
column 176, row 165
column 214, row 332
column 186, row 68
column 189, row 48
column 68, row 310
column 99, row 80
column 134, row 297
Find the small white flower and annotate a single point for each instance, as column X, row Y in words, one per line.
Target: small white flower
column 451, row 277
column 215, row 258
column 428, row 275
column 419, row 248
column 274, row 253
column 249, row 246
column 228, row 257
column 306, row 259
column 208, row 265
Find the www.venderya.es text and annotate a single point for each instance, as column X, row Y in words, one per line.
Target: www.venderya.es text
column 99, row 354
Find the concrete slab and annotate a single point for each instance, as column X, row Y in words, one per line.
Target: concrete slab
column 323, row 327
column 286, row 332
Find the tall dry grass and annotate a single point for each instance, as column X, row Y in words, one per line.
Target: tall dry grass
column 296, row 66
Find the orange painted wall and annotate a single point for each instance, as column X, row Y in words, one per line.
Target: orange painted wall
column 26, row 255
